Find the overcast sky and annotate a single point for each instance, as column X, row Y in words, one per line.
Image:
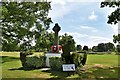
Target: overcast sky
column 84, row 20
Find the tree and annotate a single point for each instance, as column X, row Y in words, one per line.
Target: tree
column 101, row 47
column 114, row 17
column 79, row 47
column 44, row 42
column 23, row 22
column 85, row 48
column 116, row 38
column 118, row 48
column 94, row 49
column 109, row 47
column 68, row 45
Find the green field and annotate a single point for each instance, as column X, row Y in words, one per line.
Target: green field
column 11, row 68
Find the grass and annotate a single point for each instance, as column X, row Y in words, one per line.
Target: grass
column 11, row 68
column 106, row 60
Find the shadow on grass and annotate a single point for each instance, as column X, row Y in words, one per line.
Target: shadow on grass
column 102, row 73
column 25, row 69
column 8, row 58
column 89, row 74
column 58, row 74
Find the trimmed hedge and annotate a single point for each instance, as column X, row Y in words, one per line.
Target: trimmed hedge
column 35, row 61
column 55, row 63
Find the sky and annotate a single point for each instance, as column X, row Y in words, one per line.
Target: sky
column 84, row 20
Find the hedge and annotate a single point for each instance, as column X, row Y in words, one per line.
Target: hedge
column 78, row 59
column 55, row 63
column 35, row 61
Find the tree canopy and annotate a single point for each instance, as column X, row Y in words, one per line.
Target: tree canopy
column 114, row 17
column 116, row 38
column 104, row 47
column 68, row 45
column 23, row 22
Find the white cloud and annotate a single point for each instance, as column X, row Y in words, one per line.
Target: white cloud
column 88, row 40
column 85, row 27
column 59, row 9
column 92, row 16
column 63, row 7
column 89, row 28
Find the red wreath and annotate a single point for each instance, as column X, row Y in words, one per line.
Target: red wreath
column 56, row 48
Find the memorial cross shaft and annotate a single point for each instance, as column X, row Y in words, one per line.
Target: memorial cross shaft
column 56, row 29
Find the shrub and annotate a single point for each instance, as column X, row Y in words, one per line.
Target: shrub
column 118, row 48
column 35, row 61
column 55, row 63
column 78, row 59
column 23, row 59
column 23, row 55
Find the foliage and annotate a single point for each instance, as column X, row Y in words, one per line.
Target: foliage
column 45, row 42
column 55, row 63
column 85, row 48
column 101, row 47
column 10, row 47
column 68, row 45
column 118, row 49
column 94, row 48
column 35, row 61
column 23, row 58
column 114, row 17
column 79, row 47
column 104, row 47
column 23, row 22
column 116, row 38
column 79, row 59
column 109, row 47
column 84, row 59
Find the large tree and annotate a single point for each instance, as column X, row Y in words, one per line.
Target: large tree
column 114, row 17
column 23, row 22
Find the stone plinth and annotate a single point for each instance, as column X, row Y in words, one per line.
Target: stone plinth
column 51, row 55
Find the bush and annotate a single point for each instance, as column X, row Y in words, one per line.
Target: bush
column 35, row 61
column 55, row 63
column 78, row 59
column 23, row 55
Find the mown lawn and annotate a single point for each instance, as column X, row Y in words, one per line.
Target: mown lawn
column 11, row 68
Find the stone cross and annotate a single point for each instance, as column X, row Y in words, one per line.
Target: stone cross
column 56, row 29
